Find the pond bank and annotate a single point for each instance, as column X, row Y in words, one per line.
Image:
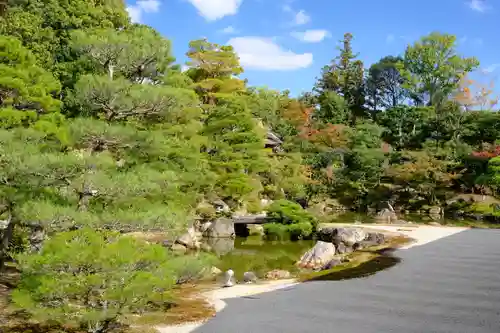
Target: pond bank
column 420, row 234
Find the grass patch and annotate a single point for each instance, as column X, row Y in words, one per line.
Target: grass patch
column 189, row 307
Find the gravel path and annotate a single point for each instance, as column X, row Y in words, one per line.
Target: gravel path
column 448, row 286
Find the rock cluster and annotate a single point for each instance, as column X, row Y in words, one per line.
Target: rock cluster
column 334, row 242
column 221, row 228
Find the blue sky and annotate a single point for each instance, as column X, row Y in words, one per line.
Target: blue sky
column 283, row 44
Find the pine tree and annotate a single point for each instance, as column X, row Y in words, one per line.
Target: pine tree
column 344, row 77
column 214, row 69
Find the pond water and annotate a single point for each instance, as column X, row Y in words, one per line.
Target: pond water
column 260, row 256
column 253, row 254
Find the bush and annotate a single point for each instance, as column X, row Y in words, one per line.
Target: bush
column 288, row 212
column 295, row 221
column 276, row 231
column 90, row 279
column 300, row 230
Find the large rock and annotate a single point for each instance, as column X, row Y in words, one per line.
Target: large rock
column 346, row 236
column 318, row 256
column 220, row 246
column 372, row 239
column 249, row 277
column 386, row 216
column 376, row 238
column 221, row 228
column 191, row 239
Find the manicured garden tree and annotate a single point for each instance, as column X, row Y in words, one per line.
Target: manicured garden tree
column 88, row 279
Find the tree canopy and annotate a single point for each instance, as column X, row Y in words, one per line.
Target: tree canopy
column 103, row 133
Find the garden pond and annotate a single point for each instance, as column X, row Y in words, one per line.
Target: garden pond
column 255, row 254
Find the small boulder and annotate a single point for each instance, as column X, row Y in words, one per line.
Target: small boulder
column 228, row 278
column 318, row 256
column 278, row 274
column 249, row 277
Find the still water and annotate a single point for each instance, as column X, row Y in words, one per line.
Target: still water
column 253, row 254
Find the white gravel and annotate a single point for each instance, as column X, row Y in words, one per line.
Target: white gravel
column 421, row 234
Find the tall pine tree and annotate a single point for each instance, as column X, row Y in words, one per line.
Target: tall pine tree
column 344, row 77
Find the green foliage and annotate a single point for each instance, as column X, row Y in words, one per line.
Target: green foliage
column 121, row 99
column 287, row 212
column 25, row 89
column 100, row 129
column 45, row 27
column 213, row 69
column 433, row 69
column 333, row 109
column 137, row 53
column 384, row 85
column 406, row 126
column 91, row 278
column 344, row 77
column 235, row 148
column 276, row 231
column 289, row 219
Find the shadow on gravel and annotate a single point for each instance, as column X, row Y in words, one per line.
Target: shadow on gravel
column 384, row 261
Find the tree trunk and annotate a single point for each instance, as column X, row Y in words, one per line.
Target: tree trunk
column 5, row 238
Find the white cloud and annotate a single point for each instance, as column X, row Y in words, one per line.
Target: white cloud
column 301, row 17
column 478, row 5
column 213, row 10
column 149, row 6
column 491, row 68
column 264, row 54
column 229, row 30
column 390, row 38
column 287, row 8
column 311, row 36
column 142, row 6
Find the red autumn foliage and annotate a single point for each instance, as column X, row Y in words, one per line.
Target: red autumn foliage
column 332, row 135
column 490, row 151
